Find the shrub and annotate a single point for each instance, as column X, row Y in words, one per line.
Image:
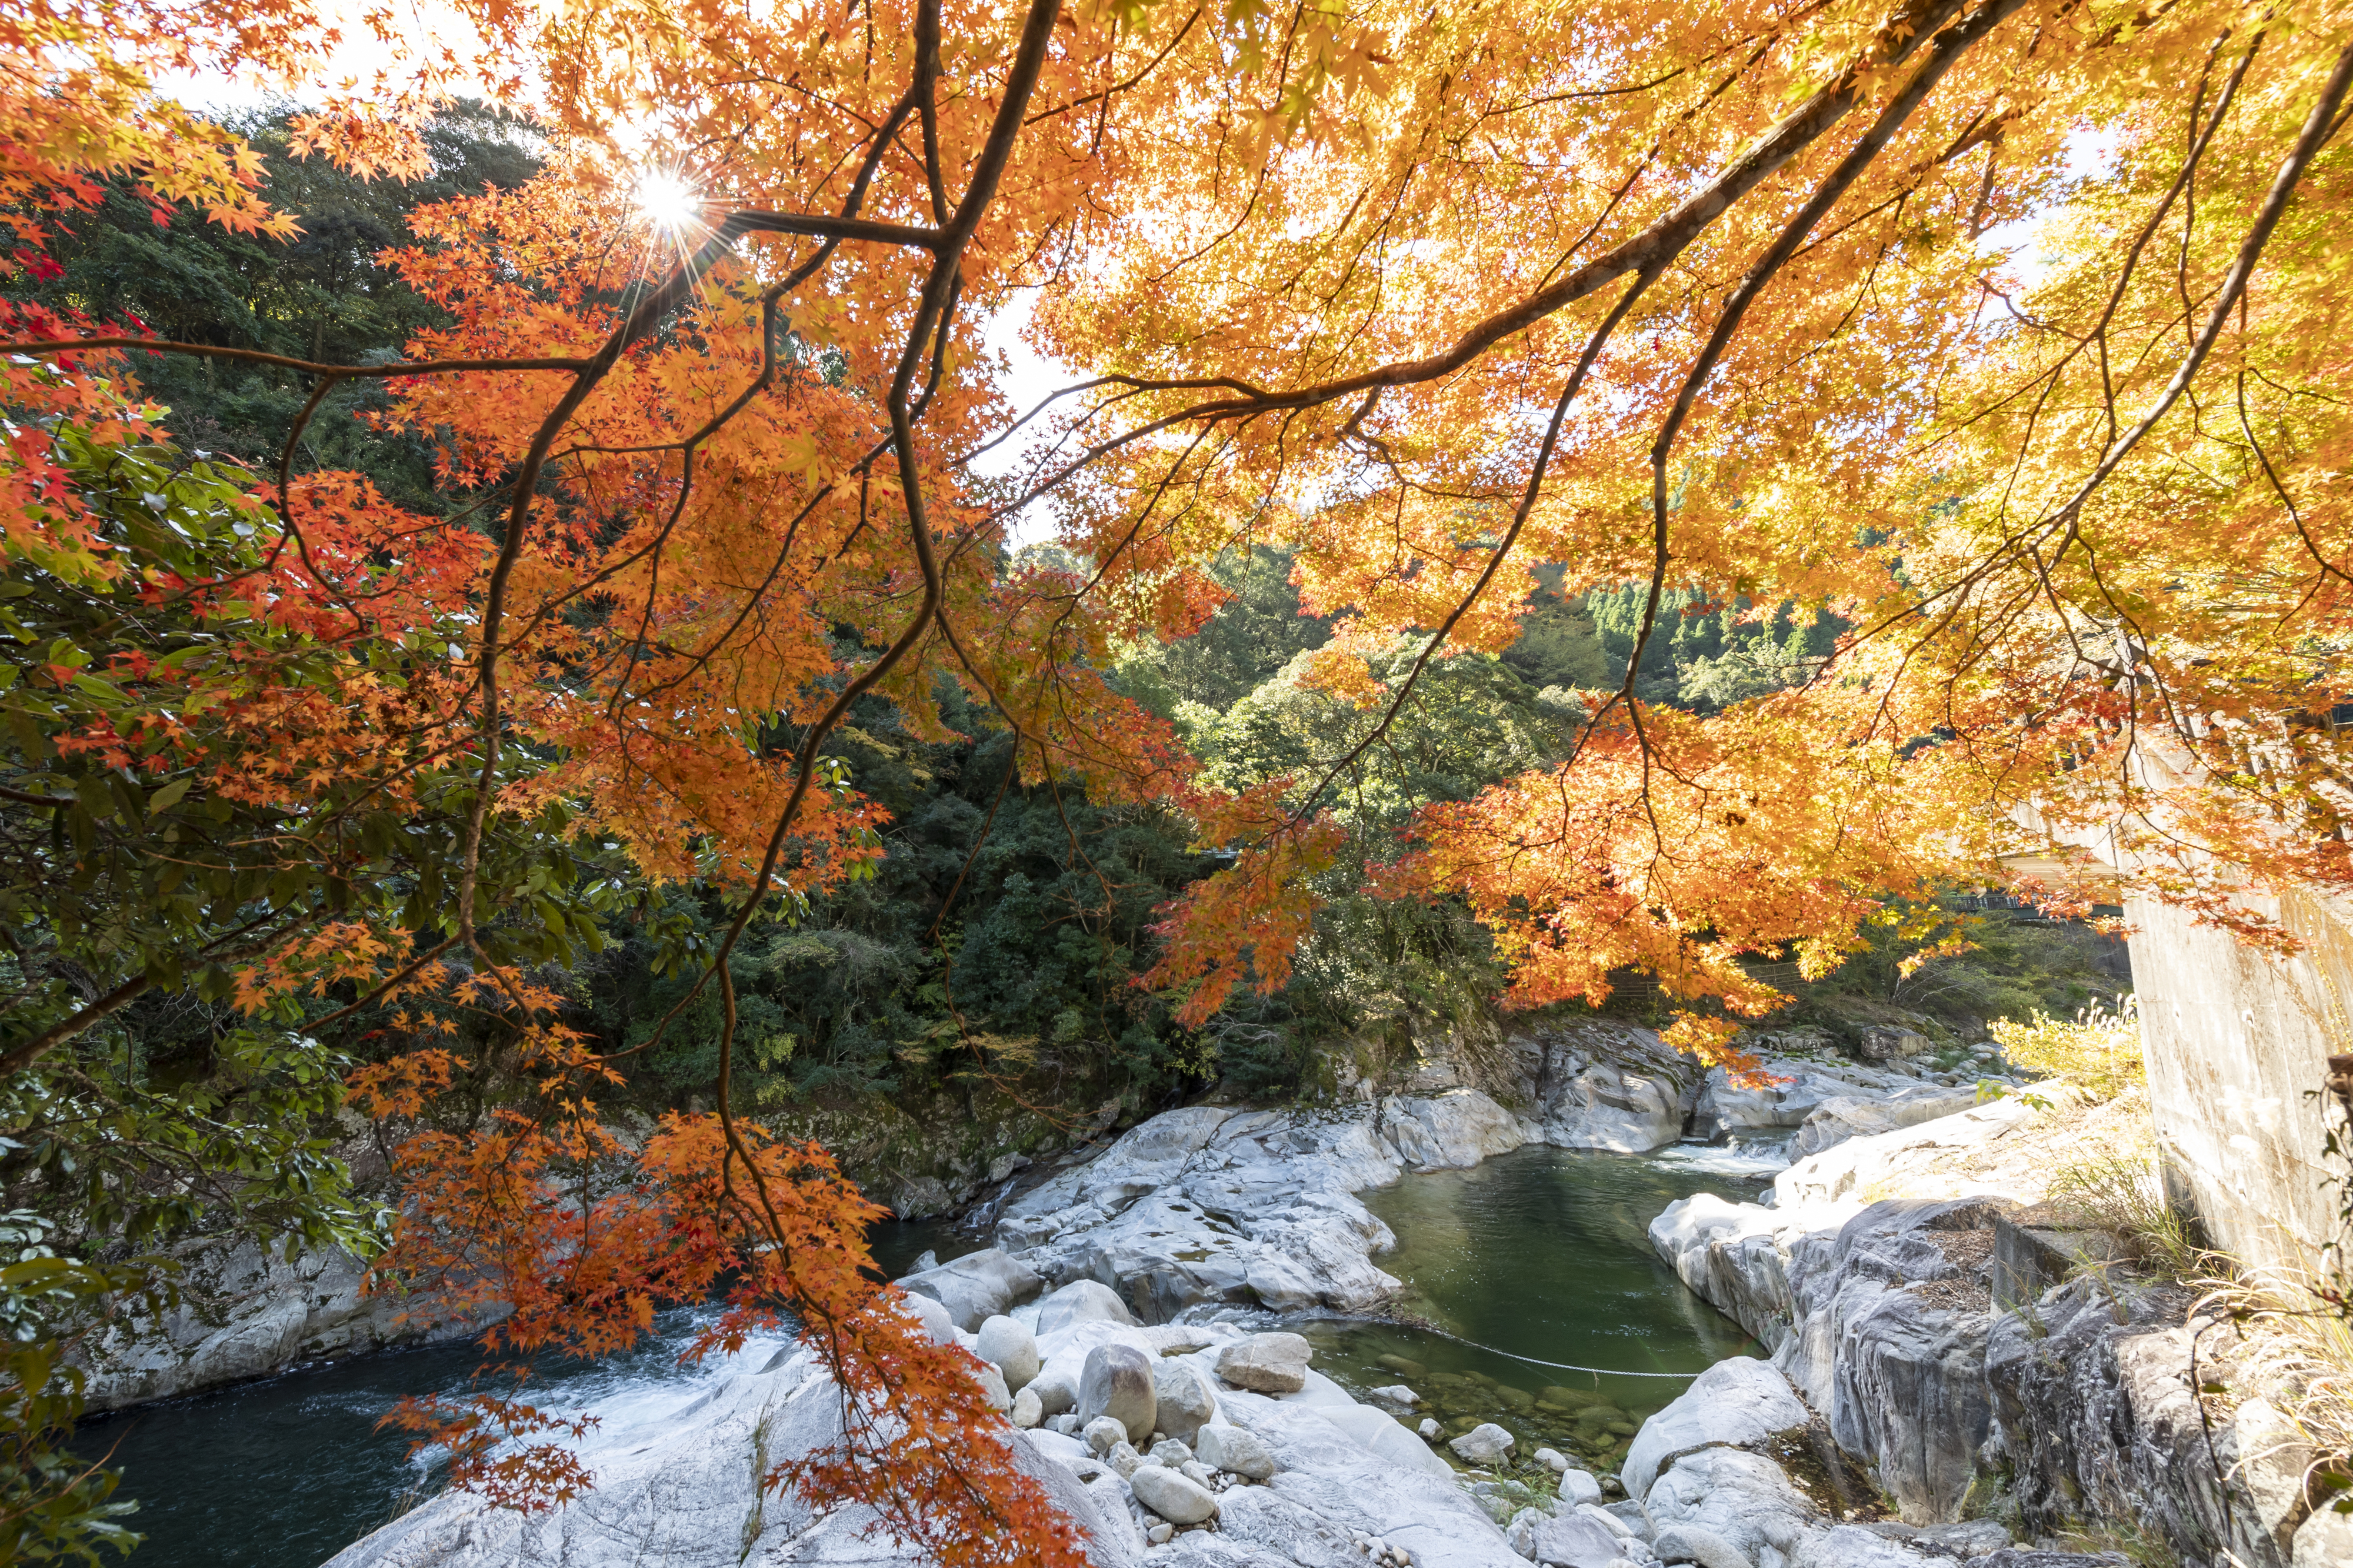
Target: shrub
column 2098, row 1051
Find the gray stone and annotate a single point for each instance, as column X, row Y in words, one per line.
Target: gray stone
column 1858, row 1546
column 2022, row 1557
column 1026, row 1413
column 1689, row 1544
column 1574, row 1541
column 1082, row 1302
column 1012, row 1347
column 2324, row 1540
column 1116, row 1381
column 1429, row 1428
column 1197, row 1472
column 1606, row 1519
column 992, row 1385
column 1057, row 1392
column 1580, row 1486
column 1633, row 1516
column 1485, row 1444
column 1397, row 1394
column 934, row 1318
column 1234, row 1449
column 975, row 1287
column 1066, row 1423
column 1181, row 1398
column 1175, row 1498
column 1553, row 1459
column 1734, row 1403
column 1962, row 1537
column 1889, row 1042
column 1168, row 1451
column 1266, row 1363
column 1123, row 1459
column 1103, row 1434
column 1159, row 1533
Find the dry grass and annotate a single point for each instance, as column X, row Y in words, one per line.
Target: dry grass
column 2118, row 1190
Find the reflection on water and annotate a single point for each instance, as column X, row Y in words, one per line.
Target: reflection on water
column 1544, row 1254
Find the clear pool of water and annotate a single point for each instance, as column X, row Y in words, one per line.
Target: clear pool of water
column 1539, row 1254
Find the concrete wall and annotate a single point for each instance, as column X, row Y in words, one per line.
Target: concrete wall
column 2237, row 1043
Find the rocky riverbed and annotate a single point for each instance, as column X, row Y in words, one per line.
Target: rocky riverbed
column 1125, row 1321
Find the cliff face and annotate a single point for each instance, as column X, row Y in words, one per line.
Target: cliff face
column 1927, row 1330
column 246, row 1312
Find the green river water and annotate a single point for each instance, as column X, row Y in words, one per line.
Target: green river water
column 1540, row 1254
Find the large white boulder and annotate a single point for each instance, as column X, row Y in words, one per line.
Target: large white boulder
column 1082, row 1302
column 1733, row 1403
column 1174, row 1497
column 1117, row 1381
column 1012, row 1347
column 1267, row 1364
column 975, row 1287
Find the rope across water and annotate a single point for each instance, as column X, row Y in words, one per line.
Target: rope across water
column 1562, row 1366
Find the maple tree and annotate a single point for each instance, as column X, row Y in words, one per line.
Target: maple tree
column 1990, row 342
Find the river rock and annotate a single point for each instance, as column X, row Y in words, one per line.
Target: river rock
column 1103, row 1434
column 1181, row 1398
column 1429, row 1428
column 1689, row 1544
column 1840, row 1118
column 1206, row 1204
column 1901, row 1378
column 1580, row 1486
column 1012, row 1347
column 1123, row 1459
column 1237, row 1451
column 1175, row 1498
column 1168, row 1451
column 1552, row 1459
column 1485, row 1444
column 1082, row 1302
column 1893, row 1042
column 1117, row 1383
column 1057, row 1392
column 1745, row 1499
column 934, row 1318
column 1267, row 1364
column 1026, row 1413
column 992, row 1386
column 975, row 1287
column 1572, row 1540
column 1397, row 1394
column 1736, row 1402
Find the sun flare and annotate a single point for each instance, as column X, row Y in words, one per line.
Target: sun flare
column 666, row 200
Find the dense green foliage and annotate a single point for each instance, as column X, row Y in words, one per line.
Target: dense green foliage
column 322, row 297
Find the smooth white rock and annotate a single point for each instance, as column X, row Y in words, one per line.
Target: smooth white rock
column 1736, row 1402
column 1174, row 1497
column 1485, row 1444
column 1011, row 1347
column 1267, row 1364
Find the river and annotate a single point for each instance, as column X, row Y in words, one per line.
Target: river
column 1539, row 1254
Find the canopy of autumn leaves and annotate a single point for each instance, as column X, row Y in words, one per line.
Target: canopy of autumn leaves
column 2001, row 330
